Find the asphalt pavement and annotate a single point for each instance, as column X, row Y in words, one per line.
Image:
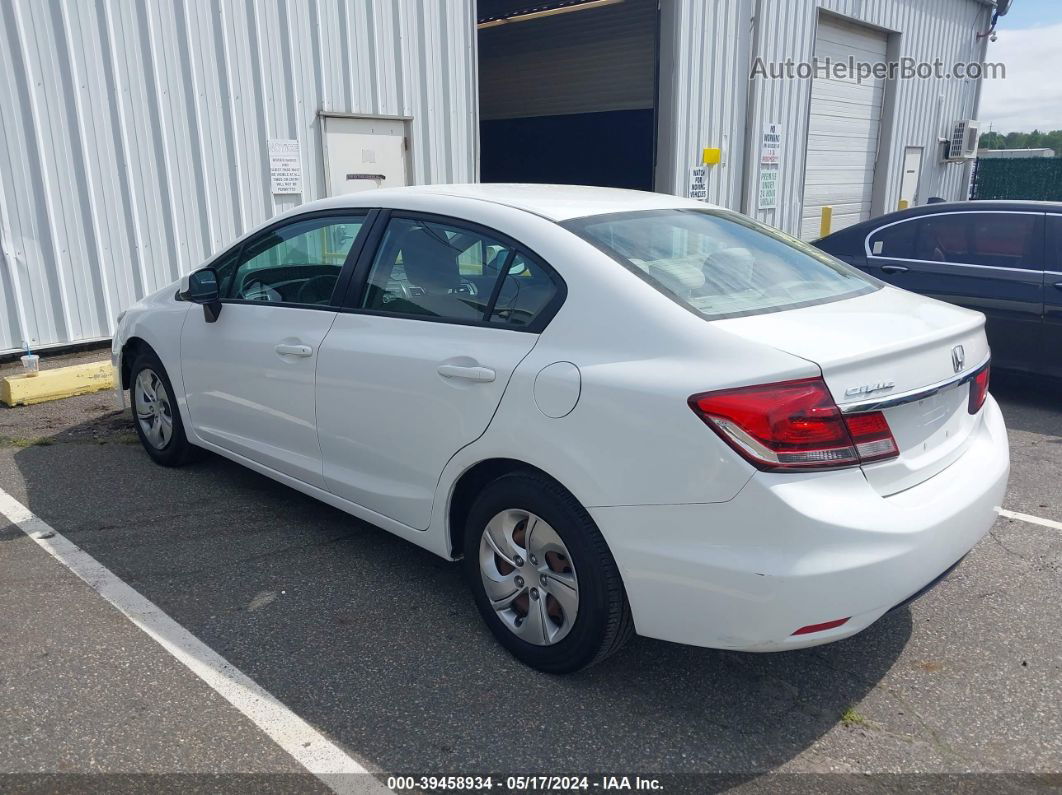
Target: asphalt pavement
column 377, row 643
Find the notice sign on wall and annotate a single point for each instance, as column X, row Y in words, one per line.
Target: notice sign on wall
column 699, row 183
column 770, row 164
column 285, row 165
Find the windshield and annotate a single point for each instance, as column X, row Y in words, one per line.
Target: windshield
column 721, row 264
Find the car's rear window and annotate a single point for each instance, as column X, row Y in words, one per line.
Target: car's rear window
column 721, row 264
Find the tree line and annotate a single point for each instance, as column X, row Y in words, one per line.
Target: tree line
column 1023, row 140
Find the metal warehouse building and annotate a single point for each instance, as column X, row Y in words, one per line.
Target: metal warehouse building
column 138, row 137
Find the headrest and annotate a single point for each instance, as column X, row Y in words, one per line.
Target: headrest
column 679, row 277
column 733, row 262
column 429, row 263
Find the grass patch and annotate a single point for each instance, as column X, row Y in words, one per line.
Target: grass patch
column 850, row 718
column 37, row 441
column 126, row 437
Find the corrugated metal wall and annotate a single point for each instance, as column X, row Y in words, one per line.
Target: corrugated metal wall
column 133, row 134
column 714, row 42
column 704, row 66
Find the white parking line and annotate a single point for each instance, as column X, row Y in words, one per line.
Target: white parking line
column 1026, row 517
column 310, row 748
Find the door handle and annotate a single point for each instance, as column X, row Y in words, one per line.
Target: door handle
column 894, row 269
column 293, row 350
column 1058, row 285
column 481, row 375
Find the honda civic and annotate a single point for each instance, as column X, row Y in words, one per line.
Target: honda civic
column 624, row 412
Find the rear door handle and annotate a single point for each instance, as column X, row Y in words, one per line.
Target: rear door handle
column 1058, row 285
column 894, row 269
column 482, row 375
column 285, row 349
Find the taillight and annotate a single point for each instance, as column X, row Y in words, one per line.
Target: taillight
column 979, row 389
column 872, row 436
column 794, row 425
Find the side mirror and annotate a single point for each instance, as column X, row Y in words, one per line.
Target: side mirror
column 201, row 287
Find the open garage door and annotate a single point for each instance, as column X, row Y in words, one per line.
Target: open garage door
column 567, row 91
column 843, row 129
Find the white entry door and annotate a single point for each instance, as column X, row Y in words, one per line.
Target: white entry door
column 362, row 154
column 912, row 170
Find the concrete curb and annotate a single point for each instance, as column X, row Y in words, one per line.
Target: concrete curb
column 61, row 382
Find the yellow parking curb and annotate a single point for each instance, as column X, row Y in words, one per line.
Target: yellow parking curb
column 62, row 382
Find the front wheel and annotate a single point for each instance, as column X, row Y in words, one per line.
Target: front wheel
column 155, row 413
column 542, row 575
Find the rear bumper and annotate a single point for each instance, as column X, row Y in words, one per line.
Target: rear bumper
column 929, row 586
column 793, row 550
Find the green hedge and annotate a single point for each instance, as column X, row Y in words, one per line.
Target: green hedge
column 1032, row 178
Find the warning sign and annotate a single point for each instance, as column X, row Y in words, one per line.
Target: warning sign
column 699, row 183
column 770, row 165
column 768, row 195
column 285, row 165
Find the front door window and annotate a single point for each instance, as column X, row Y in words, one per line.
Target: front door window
column 294, row 264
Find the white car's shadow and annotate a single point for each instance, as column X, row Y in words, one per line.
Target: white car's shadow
column 378, row 643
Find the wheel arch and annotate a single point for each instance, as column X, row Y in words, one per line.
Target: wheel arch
column 130, row 349
column 471, row 482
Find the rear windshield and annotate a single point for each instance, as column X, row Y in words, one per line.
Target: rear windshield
column 721, row 264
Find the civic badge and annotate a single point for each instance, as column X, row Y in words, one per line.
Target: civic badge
column 869, row 389
column 958, row 358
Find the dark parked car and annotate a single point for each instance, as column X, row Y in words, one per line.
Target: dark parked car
column 1000, row 258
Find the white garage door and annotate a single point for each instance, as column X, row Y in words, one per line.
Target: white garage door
column 843, row 129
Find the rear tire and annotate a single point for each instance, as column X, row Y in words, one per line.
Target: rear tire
column 537, row 549
column 156, row 417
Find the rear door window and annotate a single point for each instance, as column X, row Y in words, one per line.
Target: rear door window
column 434, row 270
column 526, row 290
column 895, row 241
column 943, row 238
column 441, row 270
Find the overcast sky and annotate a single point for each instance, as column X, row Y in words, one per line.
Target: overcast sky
column 1030, row 45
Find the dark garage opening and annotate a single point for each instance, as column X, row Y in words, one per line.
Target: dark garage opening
column 567, row 92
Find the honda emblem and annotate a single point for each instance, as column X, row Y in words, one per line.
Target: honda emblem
column 958, row 358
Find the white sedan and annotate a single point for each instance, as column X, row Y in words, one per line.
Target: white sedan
column 626, row 412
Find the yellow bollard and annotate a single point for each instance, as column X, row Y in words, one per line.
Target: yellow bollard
column 827, row 220
column 903, row 204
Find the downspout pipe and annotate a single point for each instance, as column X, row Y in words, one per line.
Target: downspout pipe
column 752, row 101
column 975, row 112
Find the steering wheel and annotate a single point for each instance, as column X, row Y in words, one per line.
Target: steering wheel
column 394, row 290
column 316, row 290
column 465, row 287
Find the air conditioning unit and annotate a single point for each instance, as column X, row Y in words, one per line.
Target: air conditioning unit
column 963, row 142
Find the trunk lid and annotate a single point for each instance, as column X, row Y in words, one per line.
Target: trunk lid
column 880, row 346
